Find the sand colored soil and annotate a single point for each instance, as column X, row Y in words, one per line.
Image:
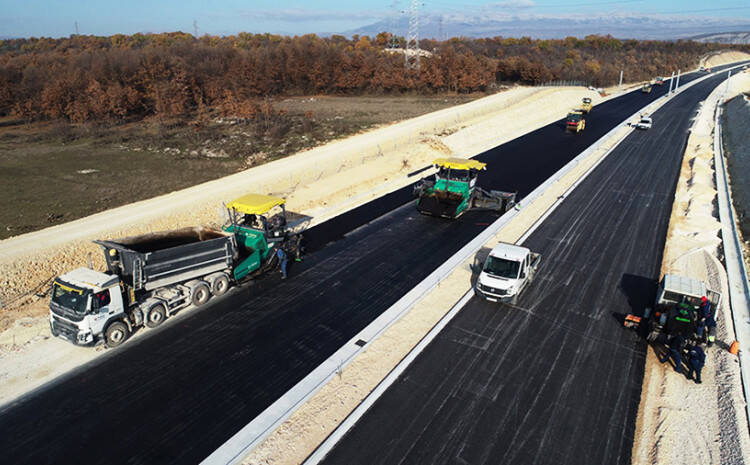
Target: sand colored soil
column 724, row 58
column 679, row 421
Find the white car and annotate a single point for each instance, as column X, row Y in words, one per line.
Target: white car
column 644, row 123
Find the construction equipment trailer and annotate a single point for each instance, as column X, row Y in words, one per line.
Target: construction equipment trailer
column 152, row 276
column 675, row 311
column 454, row 190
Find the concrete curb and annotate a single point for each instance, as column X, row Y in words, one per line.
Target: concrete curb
column 739, row 291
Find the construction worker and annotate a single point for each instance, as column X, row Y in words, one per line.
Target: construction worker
column 706, row 319
column 676, row 344
column 283, row 261
column 697, row 358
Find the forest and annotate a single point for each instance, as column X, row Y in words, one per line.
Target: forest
column 175, row 75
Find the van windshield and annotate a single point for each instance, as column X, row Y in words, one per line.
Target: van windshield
column 501, row 267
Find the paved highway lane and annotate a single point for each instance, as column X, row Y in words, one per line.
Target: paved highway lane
column 556, row 380
column 176, row 394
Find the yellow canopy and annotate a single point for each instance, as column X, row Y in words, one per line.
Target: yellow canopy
column 459, row 163
column 255, row 204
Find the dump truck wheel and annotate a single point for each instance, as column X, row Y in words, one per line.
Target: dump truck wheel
column 201, row 294
column 156, row 315
column 116, row 334
column 220, row 285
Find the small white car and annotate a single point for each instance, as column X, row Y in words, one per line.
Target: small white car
column 644, row 123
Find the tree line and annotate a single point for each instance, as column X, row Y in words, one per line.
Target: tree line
column 126, row 77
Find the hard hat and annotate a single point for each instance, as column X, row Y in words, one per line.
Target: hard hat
column 703, row 299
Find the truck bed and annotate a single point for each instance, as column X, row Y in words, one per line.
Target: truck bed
column 164, row 258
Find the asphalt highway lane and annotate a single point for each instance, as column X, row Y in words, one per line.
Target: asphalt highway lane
column 177, row 393
column 555, row 379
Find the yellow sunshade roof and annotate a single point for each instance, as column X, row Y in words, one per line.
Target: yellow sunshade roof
column 459, row 163
column 255, row 204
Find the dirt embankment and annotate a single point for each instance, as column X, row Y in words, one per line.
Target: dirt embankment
column 723, row 58
column 679, row 421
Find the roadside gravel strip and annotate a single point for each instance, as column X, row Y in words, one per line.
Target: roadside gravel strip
column 288, row 444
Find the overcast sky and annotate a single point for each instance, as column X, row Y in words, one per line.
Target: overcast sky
column 27, row 18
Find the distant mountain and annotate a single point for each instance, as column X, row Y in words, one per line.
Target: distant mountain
column 549, row 27
column 724, row 38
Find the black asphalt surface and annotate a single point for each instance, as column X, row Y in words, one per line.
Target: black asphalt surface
column 555, row 379
column 179, row 392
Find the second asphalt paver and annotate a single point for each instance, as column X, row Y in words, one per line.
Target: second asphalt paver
column 177, row 394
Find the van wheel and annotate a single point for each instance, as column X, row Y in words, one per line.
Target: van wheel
column 116, row 334
column 220, row 285
column 156, row 316
column 201, row 294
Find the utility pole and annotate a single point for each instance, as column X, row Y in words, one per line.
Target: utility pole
column 76, row 27
column 411, row 54
column 677, row 84
column 619, row 86
column 440, row 29
column 671, row 82
column 195, row 28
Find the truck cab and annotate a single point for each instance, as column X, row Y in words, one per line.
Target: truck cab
column 506, row 272
column 84, row 302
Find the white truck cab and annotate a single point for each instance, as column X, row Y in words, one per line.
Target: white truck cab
column 506, row 272
column 83, row 303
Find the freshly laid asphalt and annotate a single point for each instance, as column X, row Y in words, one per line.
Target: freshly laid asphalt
column 179, row 392
column 555, row 379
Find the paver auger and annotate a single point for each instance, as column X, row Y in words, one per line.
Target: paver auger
column 453, row 190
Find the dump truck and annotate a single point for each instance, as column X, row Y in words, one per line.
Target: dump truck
column 507, row 271
column 646, row 88
column 675, row 311
column 586, row 105
column 454, row 190
column 575, row 122
column 152, row 276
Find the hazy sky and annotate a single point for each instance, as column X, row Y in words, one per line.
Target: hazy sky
column 26, row 18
